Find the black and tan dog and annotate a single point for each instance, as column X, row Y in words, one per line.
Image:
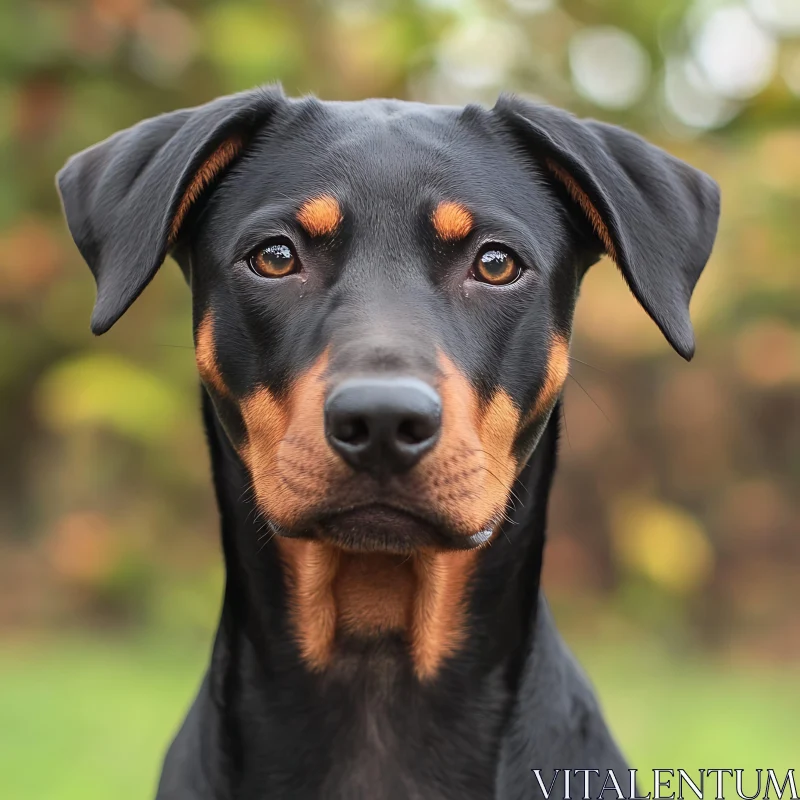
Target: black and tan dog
column 383, row 295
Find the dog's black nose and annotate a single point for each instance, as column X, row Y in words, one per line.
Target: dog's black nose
column 383, row 425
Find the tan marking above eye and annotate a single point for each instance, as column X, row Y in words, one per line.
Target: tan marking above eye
column 320, row 216
column 452, row 221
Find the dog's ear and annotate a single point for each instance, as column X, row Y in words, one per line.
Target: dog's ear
column 654, row 215
column 126, row 198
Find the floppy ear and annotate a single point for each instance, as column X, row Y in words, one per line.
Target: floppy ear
column 126, row 198
column 654, row 215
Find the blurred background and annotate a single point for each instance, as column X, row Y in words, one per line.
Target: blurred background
column 675, row 526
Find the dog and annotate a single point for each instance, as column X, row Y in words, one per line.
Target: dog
column 383, row 294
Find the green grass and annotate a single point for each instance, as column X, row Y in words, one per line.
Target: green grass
column 681, row 711
column 85, row 718
column 88, row 718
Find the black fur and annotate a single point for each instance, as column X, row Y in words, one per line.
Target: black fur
column 383, row 293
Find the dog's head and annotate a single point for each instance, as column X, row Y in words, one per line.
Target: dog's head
column 383, row 291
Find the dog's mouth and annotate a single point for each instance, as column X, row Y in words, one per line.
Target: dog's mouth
column 383, row 528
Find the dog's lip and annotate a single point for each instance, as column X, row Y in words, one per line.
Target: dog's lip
column 415, row 530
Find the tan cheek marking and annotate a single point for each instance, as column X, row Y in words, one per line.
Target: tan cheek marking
column 555, row 375
column 475, row 449
column 285, row 438
column 282, row 435
column 459, row 407
column 457, row 469
column 205, row 355
column 452, row 221
column 265, row 419
column 498, row 427
column 210, row 170
column 588, row 208
column 320, row 216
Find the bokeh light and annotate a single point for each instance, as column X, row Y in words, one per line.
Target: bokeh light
column 781, row 16
column 609, row 66
column 737, row 56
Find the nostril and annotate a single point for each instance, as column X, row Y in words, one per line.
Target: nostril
column 407, row 432
column 354, row 431
column 415, row 430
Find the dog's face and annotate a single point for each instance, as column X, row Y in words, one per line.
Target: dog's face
column 383, row 291
column 383, row 297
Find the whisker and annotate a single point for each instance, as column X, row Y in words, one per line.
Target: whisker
column 590, row 397
column 266, row 543
column 564, row 420
column 510, row 490
column 491, row 455
column 266, row 533
column 248, row 488
column 587, row 364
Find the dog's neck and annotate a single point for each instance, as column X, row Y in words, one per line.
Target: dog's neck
column 259, row 690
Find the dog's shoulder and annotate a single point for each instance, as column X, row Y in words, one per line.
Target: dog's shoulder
column 556, row 724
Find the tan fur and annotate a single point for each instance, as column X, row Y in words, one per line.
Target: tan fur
column 320, row 216
column 208, row 172
column 555, row 375
column 310, row 571
column 588, row 208
column 286, row 452
column 498, row 427
column 375, row 592
column 452, row 221
column 471, row 471
column 440, row 608
column 205, row 355
column 423, row 597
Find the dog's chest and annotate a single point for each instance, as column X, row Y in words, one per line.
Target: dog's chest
column 379, row 760
column 371, row 763
column 396, row 746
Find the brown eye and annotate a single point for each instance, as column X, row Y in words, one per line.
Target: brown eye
column 496, row 267
column 274, row 261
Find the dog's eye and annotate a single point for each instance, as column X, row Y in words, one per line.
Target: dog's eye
column 275, row 260
column 496, row 266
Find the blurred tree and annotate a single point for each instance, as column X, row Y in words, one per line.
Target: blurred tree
column 679, row 484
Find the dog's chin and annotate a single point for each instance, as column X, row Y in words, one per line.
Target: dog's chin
column 378, row 528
